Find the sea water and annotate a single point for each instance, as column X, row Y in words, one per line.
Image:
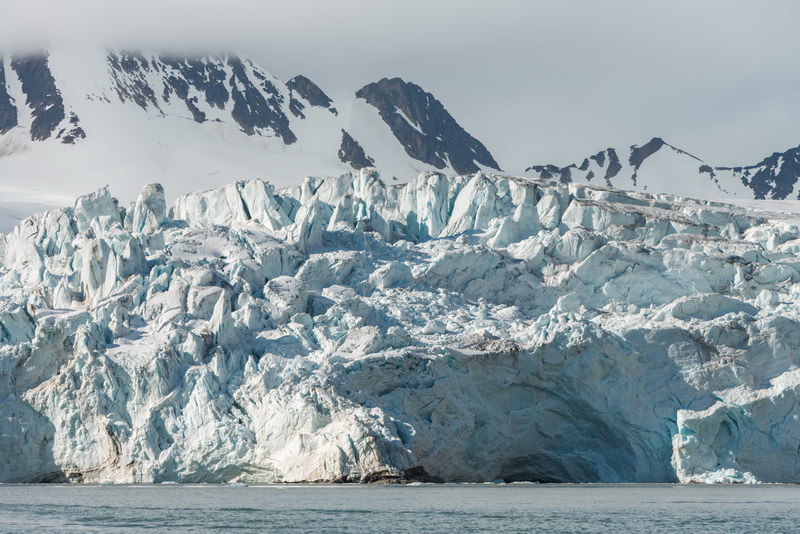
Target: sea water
column 424, row 508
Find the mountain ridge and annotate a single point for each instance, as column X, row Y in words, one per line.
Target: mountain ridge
column 196, row 121
column 775, row 177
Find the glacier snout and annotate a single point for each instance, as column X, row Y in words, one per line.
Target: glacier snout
column 453, row 328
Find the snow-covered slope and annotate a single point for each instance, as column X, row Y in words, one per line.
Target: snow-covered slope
column 73, row 120
column 468, row 328
column 660, row 167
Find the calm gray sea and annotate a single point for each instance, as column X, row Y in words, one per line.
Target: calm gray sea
column 440, row 508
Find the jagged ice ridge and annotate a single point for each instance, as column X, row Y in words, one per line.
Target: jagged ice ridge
column 462, row 329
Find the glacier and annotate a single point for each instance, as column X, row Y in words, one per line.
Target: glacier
column 466, row 328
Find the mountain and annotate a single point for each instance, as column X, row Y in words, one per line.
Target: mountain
column 425, row 128
column 73, row 120
column 658, row 166
column 465, row 328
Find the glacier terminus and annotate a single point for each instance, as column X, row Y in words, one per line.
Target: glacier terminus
column 466, row 328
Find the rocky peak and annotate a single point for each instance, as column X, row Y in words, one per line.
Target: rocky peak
column 424, row 127
column 310, row 92
column 641, row 153
column 206, row 98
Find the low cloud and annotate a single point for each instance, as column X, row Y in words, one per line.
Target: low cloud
column 537, row 81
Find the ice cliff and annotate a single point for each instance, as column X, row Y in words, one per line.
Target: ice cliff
column 462, row 329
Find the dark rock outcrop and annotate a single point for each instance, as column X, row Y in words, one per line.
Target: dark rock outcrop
column 641, row 153
column 353, row 153
column 774, row 177
column 128, row 71
column 553, row 172
column 608, row 165
column 564, row 175
column 73, row 132
column 254, row 111
column 8, row 111
column 614, row 166
column 42, row 95
column 310, row 92
column 257, row 102
column 424, row 127
column 204, row 75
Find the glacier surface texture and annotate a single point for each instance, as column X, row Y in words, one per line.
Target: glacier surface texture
column 462, row 329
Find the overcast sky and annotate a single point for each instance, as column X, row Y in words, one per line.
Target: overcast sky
column 536, row 81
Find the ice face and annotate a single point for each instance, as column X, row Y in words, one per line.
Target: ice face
column 149, row 213
column 461, row 328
